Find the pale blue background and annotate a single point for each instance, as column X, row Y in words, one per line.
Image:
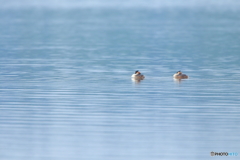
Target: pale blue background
column 66, row 91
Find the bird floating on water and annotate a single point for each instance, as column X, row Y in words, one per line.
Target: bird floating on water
column 138, row 76
column 180, row 75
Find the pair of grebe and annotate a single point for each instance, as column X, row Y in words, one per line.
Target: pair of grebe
column 178, row 75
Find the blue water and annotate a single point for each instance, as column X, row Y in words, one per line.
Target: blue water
column 66, row 90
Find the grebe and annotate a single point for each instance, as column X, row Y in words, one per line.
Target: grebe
column 180, row 75
column 138, row 76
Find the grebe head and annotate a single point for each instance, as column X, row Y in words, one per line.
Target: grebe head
column 179, row 72
column 137, row 72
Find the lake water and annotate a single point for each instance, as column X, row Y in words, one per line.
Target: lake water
column 66, row 90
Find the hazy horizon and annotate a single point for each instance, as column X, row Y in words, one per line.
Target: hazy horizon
column 216, row 4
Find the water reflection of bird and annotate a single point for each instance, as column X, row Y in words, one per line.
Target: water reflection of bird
column 180, row 75
column 138, row 76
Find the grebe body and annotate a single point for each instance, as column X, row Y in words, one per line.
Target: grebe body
column 180, row 75
column 138, row 76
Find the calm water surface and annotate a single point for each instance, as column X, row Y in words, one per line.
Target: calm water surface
column 66, row 91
